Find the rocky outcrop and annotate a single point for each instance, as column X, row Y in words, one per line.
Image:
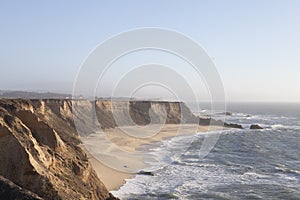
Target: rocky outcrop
column 210, row 121
column 9, row 190
column 255, row 126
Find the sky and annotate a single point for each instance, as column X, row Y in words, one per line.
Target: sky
column 255, row 44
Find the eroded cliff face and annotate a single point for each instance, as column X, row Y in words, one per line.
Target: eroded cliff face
column 40, row 151
column 142, row 113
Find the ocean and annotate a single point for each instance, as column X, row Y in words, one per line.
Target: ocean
column 244, row 164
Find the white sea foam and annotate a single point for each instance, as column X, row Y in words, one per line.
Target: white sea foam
column 184, row 176
column 281, row 126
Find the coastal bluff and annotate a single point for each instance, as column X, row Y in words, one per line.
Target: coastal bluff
column 41, row 150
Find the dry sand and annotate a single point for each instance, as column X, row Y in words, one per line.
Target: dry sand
column 139, row 136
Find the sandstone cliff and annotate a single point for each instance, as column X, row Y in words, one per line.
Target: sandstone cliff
column 40, row 153
column 145, row 112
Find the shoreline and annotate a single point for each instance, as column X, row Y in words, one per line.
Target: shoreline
column 114, row 179
column 111, row 178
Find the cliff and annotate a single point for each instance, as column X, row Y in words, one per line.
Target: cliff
column 40, row 153
column 142, row 113
column 40, row 148
column 145, row 112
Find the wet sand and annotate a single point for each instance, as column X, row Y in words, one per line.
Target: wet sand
column 129, row 144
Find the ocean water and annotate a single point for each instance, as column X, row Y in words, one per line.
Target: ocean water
column 244, row 164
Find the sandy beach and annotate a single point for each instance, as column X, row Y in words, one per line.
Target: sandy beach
column 113, row 178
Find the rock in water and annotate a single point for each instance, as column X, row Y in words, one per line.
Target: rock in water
column 146, row 173
column 233, row 126
column 255, row 126
column 225, row 113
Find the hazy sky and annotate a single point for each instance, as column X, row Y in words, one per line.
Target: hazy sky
column 255, row 44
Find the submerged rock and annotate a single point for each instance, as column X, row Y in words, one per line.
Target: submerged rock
column 233, row 126
column 225, row 113
column 255, row 126
column 146, row 173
